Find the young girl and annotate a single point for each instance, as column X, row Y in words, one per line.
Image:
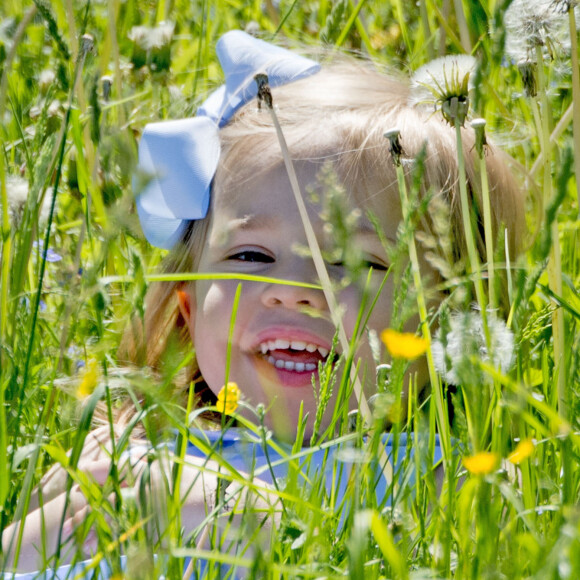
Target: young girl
column 215, row 190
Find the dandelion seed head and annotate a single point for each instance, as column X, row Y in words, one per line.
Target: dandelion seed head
column 533, row 23
column 253, row 28
column 34, row 112
column 147, row 37
column 444, row 83
column 17, row 192
column 395, row 146
column 162, row 34
column 464, row 338
column 87, row 43
column 563, row 6
column 106, row 83
column 139, row 35
column 447, row 72
column 54, row 108
column 175, row 93
column 478, row 126
column 528, row 73
column 46, row 79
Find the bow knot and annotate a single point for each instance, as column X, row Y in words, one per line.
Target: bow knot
column 181, row 157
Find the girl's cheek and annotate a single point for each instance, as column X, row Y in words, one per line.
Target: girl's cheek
column 217, row 296
column 379, row 318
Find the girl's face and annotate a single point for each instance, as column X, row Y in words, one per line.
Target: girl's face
column 281, row 332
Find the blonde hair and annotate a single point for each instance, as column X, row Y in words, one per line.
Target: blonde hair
column 341, row 113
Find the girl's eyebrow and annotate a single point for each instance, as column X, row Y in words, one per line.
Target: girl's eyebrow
column 255, row 222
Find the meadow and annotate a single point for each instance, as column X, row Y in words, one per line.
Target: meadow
column 78, row 83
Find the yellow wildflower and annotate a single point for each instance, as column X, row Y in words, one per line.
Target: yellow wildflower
column 228, row 398
column 89, row 380
column 404, row 344
column 522, row 451
column 481, row 463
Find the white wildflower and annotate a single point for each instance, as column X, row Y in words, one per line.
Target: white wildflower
column 445, row 83
column 463, row 338
column 147, row 37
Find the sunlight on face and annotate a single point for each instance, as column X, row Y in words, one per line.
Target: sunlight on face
column 281, row 332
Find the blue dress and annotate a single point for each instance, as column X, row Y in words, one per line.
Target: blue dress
column 330, row 464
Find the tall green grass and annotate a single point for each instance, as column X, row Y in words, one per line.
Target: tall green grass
column 69, row 124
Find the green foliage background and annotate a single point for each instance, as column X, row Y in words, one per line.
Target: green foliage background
column 70, row 118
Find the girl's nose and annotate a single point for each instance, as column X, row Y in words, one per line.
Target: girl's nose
column 293, row 297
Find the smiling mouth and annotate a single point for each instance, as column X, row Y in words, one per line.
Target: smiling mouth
column 293, row 355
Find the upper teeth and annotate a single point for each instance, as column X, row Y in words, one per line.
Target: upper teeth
column 282, row 344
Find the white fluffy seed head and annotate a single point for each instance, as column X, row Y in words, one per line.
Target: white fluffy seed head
column 147, row 37
column 17, row 192
column 464, row 338
column 535, row 23
column 432, row 83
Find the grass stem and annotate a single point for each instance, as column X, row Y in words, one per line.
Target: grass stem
column 575, row 98
column 442, row 414
column 488, row 232
column 321, row 270
column 555, row 257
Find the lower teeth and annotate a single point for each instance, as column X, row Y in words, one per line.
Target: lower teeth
column 291, row 365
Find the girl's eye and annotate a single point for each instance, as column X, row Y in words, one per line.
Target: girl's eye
column 252, row 256
column 376, row 265
column 368, row 263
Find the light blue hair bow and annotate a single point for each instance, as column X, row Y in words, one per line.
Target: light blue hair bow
column 182, row 156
